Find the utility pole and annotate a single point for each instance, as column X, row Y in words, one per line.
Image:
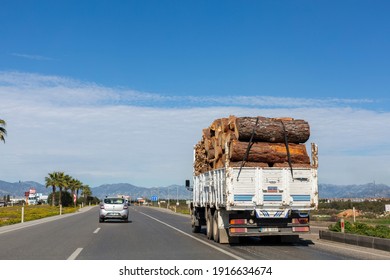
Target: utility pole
column 177, row 195
column 168, row 198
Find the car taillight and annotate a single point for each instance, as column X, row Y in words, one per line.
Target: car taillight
column 237, row 221
column 101, row 206
column 300, row 221
column 300, row 229
column 238, row 230
column 125, row 207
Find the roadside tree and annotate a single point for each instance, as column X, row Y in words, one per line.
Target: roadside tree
column 3, row 131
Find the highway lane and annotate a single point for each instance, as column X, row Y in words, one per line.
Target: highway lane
column 308, row 247
column 52, row 240
column 154, row 234
column 145, row 238
column 81, row 236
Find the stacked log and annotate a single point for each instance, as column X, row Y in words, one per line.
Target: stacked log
column 268, row 152
column 271, row 130
column 276, row 142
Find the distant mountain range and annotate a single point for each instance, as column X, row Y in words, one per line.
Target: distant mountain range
column 370, row 190
column 173, row 192
column 18, row 189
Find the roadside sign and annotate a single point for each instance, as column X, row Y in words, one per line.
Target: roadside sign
column 154, row 198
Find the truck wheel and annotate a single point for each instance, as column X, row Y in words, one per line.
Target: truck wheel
column 209, row 225
column 215, row 227
column 195, row 228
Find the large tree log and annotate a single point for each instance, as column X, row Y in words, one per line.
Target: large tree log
column 201, row 163
column 210, row 154
column 219, row 163
column 268, row 152
column 209, row 143
column 227, row 137
column 270, row 129
column 218, row 152
column 268, row 148
column 206, row 138
column 206, row 133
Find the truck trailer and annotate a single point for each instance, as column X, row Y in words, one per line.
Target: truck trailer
column 241, row 201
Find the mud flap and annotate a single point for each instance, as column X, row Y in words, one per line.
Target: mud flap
column 224, row 237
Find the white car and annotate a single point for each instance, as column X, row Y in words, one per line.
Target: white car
column 115, row 208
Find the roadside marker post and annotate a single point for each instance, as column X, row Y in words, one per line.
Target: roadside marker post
column 22, row 220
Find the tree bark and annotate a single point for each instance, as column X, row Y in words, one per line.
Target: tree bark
column 268, row 152
column 268, row 144
column 270, row 129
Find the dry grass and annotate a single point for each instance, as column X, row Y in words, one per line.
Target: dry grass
column 13, row 215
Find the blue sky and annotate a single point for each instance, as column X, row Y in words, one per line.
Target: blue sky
column 113, row 89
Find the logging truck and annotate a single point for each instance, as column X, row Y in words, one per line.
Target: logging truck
column 251, row 197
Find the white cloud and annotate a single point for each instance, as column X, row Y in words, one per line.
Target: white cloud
column 62, row 91
column 103, row 135
column 31, row 56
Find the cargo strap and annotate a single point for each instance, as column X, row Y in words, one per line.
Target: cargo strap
column 287, row 149
column 248, row 148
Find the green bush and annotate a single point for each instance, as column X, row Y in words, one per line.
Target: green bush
column 381, row 231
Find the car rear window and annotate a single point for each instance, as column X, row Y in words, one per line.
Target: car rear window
column 114, row 200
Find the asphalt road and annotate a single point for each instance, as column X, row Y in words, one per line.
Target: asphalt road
column 156, row 234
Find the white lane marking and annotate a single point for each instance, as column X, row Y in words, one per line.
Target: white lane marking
column 75, row 254
column 97, row 230
column 197, row 239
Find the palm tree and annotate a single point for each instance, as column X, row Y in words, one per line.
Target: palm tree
column 74, row 186
column 79, row 185
column 85, row 192
column 3, row 131
column 61, row 183
column 52, row 181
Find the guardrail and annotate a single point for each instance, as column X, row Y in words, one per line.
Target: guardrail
column 355, row 239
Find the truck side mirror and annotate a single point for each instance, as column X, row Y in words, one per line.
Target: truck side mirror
column 188, row 185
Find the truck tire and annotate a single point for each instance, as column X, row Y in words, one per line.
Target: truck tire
column 209, row 225
column 195, row 228
column 215, row 227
